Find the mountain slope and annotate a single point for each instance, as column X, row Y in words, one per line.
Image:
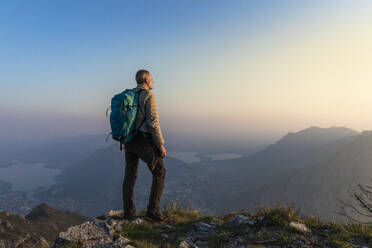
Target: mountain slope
column 94, row 184
column 316, row 189
column 37, row 229
column 229, row 184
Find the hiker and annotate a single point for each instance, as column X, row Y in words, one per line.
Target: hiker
column 147, row 145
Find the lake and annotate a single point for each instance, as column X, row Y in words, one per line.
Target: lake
column 194, row 157
column 28, row 177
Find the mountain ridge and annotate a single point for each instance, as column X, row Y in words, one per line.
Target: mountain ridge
column 328, row 181
column 37, row 229
column 277, row 226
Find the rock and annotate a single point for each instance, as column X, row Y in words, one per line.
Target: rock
column 241, row 219
column 138, row 221
column 112, row 222
column 6, row 225
column 183, row 244
column 122, row 242
column 299, row 226
column 199, row 243
column 203, row 227
column 91, row 234
column 118, row 228
column 21, row 216
column 121, row 222
column 85, row 231
column 114, row 214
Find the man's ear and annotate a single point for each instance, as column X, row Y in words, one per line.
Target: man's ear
column 147, row 81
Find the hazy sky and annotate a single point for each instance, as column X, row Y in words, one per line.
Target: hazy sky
column 239, row 68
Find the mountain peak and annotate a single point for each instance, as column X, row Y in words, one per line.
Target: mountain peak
column 41, row 211
column 314, row 136
column 37, row 228
column 329, row 129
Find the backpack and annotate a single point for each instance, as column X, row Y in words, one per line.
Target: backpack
column 124, row 108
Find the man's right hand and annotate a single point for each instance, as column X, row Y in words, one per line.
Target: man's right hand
column 163, row 151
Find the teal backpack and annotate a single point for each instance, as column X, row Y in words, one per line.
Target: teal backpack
column 124, row 108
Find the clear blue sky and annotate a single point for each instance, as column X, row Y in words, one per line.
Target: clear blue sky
column 61, row 61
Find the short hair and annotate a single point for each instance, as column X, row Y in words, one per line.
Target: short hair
column 141, row 76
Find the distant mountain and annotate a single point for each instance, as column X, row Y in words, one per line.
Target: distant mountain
column 227, row 181
column 37, row 229
column 316, row 189
column 59, row 152
column 94, row 184
column 296, row 150
column 314, row 136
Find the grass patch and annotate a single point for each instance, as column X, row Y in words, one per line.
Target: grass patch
column 337, row 234
column 361, row 231
column 176, row 214
column 149, row 234
column 314, row 222
column 144, row 231
column 144, row 244
column 278, row 216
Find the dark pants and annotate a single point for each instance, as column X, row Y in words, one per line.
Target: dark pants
column 144, row 149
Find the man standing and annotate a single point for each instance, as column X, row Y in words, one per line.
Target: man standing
column 148, row 146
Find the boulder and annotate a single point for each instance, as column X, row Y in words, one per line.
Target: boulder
column 114, row 214
column 203, row 227
column 241, row 219
column 299, row 226
column 183, row 244
column 97, row 233
column 138, row 221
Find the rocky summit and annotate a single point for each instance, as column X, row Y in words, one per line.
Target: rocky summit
column 280, row 226
column 101, row 232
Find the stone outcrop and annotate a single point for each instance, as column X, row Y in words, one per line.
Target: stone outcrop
column 184, row 228
column 241, row 219
column 103, row 232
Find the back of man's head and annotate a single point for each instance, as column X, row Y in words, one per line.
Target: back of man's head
column 141, row 76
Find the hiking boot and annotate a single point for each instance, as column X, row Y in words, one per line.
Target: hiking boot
column 155, row 216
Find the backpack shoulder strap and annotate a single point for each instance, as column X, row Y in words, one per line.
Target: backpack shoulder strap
column 139, row 105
